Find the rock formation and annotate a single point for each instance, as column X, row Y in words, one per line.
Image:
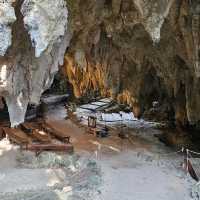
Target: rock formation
column 7, row 17
column 45, row 21
column 138, row 51
column 31, row 55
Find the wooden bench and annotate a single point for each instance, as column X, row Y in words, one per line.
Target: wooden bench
column 26, row 127
column 36, row 134
column 17, row 136
column 56, row 133
column 41, row 136
column 38, row 148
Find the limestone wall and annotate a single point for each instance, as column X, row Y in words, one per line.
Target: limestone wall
column 33, row 38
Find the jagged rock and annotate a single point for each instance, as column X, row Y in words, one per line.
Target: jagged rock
column 138, row 51
column 7, row 17
column 23, row 76
column 45, row 21
column 153, row 14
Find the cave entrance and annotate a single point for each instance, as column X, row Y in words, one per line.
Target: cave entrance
column 4, row 114
column 151, row 90
column 59, row 93
column 60, row 85
column 154, row 98
column 108, row 3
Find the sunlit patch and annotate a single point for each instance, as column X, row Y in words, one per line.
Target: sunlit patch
column 114, row 149
column 67, row 189
column 72, row 168
column 95, row 142
column 3, row 76
column 61, row 196
column 20, row 100
column 99, row 146
column 2, row 176
column 53, row 179
column 42, row 133
column 5, row 146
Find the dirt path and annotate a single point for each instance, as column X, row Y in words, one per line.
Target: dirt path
column 100, row 169
column 133, row 170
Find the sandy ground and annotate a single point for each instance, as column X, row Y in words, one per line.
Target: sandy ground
column 100, row 169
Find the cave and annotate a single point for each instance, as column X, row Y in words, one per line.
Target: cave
column 60, row 85
column 99, row 99
column 152, row 89
column 4, row 115
column 108, row 3
column 154, row 98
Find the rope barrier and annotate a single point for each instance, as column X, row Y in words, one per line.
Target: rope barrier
column 190, row 157
column 176, row 152
column 194, row 152
column 182, row 150
column 194, row 167
column 187, row 160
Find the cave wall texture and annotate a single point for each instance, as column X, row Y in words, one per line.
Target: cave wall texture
column 33, row 38
column 137, row 51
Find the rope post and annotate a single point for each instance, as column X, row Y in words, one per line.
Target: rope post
column 187, row 159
